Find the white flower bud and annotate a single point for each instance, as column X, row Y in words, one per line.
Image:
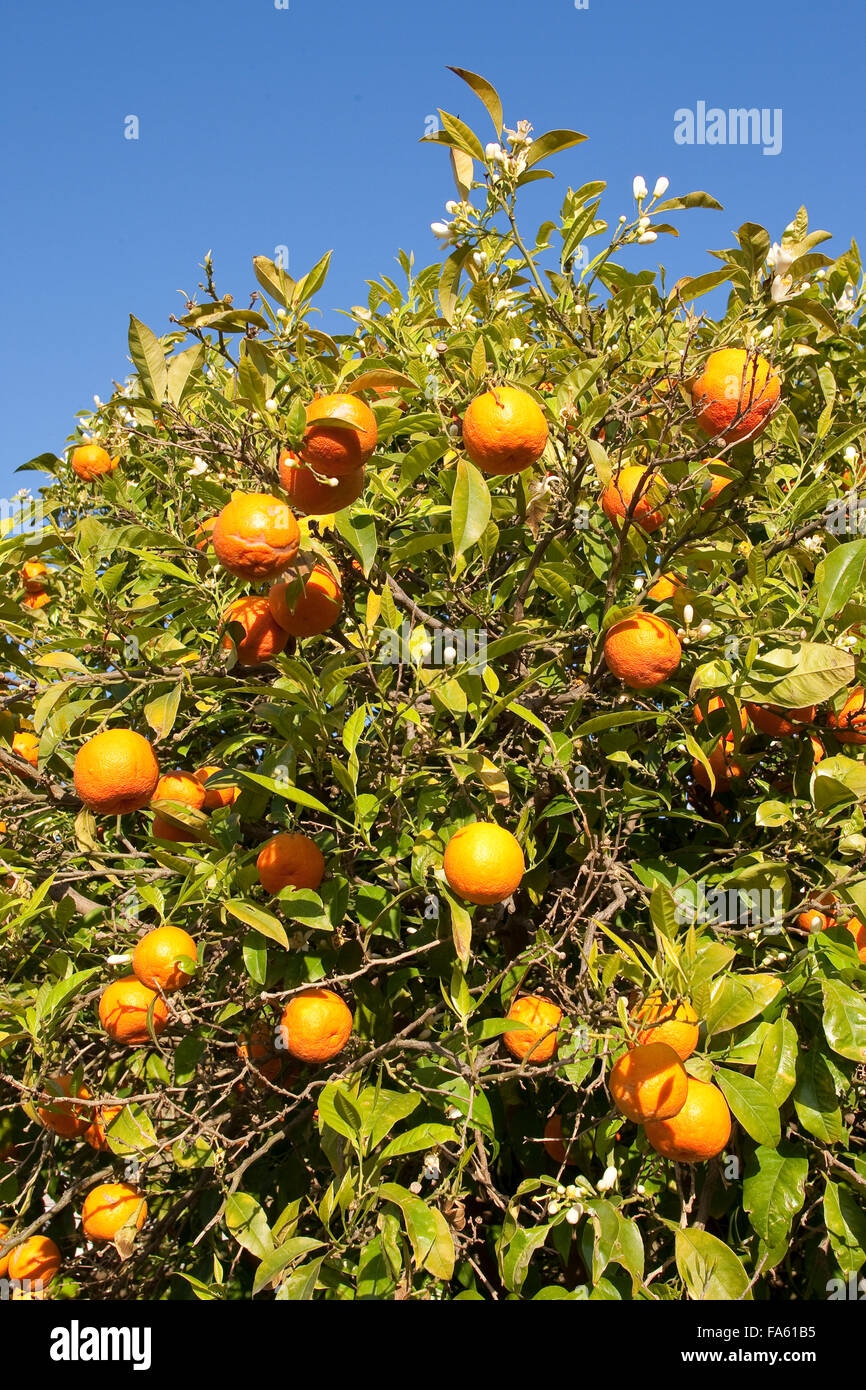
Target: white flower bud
column 271, row 406
column 572, row 1216
column 661, row 187
column 646, row 237
column 622, row 218
column 607, row 1180
column 282, row 314
column 639, row 188
column 705, row 629
column 452, row 207
column 516, row 344
column 644, row 223
column 688, row 614
column 850, row 455
column 449, row 655
column 494, row 153
column 442, row 230
column 552, row 1208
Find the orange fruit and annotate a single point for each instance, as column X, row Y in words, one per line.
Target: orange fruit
column 306, row 610
column 779, row 723
column 290, row 860
column 110, row 1206
column 95, row 1134
column 617, row 497
column 483, row 863
column 648, row 1083
column 26, row 745
column 90, row 461
column 115, row 772
column 181, row 787
column 155, row 958
column 203, row 536
column 258, row 1048
column 725, row 769
column 819, row 752
column 735, row 394
column 123, row 1010
column 698, row 1131
column 642, row 651
column 504, row 431
column 664, row 588
column 255, row 536
column 31, row 576
column 214, row 797
column 536, row 1042
column 315, row 1025
column 718, row 484
column 335, row 450
column 850, row 723
column 62, row 1116
column 36, row 600
column 308, row 494
column 263, row 638
column 675, row 1024
column 554, row 1142
column 821, row 917
column 718, row 703
column 4, row 1259
column 36, row 1258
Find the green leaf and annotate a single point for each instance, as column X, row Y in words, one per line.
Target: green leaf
column 162, row 712
column 774, row 1189
column 815, row 1097
column 470, row 507
column 488, row 94
column 147, row 353
column 551, row 143
column 427, row 1229
column 248, row 1224
column 776, row 1068
column 275, row 1261
column 709, row 1269
column 253, row 916
column 844, row 1020
column 358, row 529
column 274, row 280
column 735, row 999
column 752, row 1106
column 838, row 576
column 425, row 1136
column 846, row 1226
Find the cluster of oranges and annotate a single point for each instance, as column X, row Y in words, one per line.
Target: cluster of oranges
column 33, row 574
column 109, row 1210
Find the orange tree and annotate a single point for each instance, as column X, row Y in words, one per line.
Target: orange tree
column 613, row 616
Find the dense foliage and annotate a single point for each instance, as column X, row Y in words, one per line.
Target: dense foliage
column 465, row 681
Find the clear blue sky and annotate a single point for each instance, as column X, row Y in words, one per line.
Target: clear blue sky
column 262, row 126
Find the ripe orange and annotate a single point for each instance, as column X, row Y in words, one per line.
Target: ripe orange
column 735, row 395
column 36, row 600
column 335, row 450
column 36, row 1258
column 617, row 497
column 156, row 956
column 642, row 651
column 115, row 772
column 504, row 431
column 255, row 536
column 649, row 1083
column 308, row 494
column 181, row 787
column 62, row 1116
column 664, row 588
column 90, row 461
column 305, row 611
column 675, row 1024
column 95, row 1134
column 554, row 1142
column 718, row 484
column 214, row 797
column 110, row 1206
column 537, row 1041
column 290, row 861
column 725, row 769
column 718, row 703
column 779, row 723
column 698, row 1131
column 31, row 576
column 821, row 917
column 263, row 638
column 315, row 1025
column 123, row 1010
column 26, row 745
column 850, row 723
column 4, row 1259
column 483, row 863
